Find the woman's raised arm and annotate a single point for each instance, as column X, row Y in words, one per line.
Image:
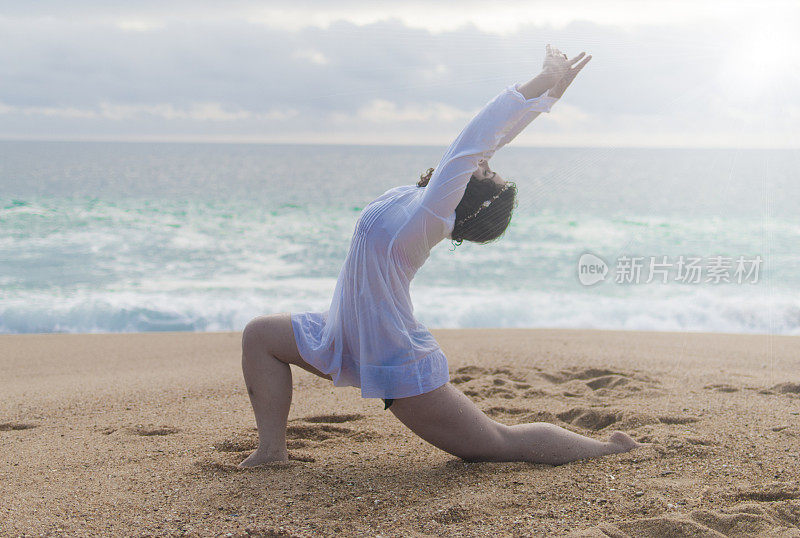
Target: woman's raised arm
column 478, row 140
column 495, row 125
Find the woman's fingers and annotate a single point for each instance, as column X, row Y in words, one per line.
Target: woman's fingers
column 576, row 58
column 584, row 62
column 573, row 72
column 573, row 64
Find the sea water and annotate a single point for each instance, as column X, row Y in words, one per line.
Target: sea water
column 119, row 237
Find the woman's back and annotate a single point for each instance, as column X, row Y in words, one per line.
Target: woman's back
column 369, row 336
column 398, row 213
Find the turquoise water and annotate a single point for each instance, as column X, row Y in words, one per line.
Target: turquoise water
column 115, row 237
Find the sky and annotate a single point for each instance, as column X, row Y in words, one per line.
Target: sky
column 662, row 74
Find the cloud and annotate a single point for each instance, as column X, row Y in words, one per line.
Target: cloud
column 195, row 112
column 117, row 112
column 139, row 25
column 313, row 56
column 568, row 117
column 383, row 111
column 367, row 72
column 499, row 17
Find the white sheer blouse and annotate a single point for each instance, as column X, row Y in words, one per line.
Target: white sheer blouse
column 369, row 337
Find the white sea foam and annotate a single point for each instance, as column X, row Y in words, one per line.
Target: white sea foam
column 210, row 309
column 154, row 238
column 693, row 310
column 142, row 312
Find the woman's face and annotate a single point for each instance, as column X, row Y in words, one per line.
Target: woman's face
column 484, row 172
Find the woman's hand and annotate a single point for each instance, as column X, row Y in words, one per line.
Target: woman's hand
column 557, row 73
column 557, row 64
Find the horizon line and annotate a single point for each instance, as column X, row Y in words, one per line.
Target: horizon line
column 367, row 144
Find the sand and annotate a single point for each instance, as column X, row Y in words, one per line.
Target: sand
column 140, row 434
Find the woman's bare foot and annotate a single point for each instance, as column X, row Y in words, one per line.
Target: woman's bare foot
column 258, row 458
column 620, row 442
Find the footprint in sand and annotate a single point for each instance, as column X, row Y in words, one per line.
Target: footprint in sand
column 321, row 427
column 671, row 444
column 335, row 419
column 149, row 431
column 596, row 419
column 787, row 388
column 540, row 416
column 782, row 388
column 675, row 419
column 453, row 514
column 316, row 432
column 721, row 387
column 577, row 373
column 15, row 426
column 590, row 419
column 236, row 445
column 301, row 457
column 655, row 526
column 304, row 432
column 738, row 521
column 503, row 382
column 511, row 383
column 666, row 526
column 231, row 465
column 466, row 374
column 787, row 512
column 577, row 382
column 240, row 448
column 701, row 441
column 323, row 432
column 775, row 491
column 747, row 519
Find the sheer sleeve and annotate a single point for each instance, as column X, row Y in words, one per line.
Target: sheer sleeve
column 495, row 125
column 523, row 122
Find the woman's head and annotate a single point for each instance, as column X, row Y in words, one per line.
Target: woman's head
column 485, row 210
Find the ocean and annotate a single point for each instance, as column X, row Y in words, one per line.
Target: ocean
column 124, row 237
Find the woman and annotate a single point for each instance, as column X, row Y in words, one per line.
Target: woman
column 369, row 338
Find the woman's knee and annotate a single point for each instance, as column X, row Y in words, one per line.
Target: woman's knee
column 254, row 335
column 273, row 335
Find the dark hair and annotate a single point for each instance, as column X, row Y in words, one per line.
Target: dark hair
column 490, row 222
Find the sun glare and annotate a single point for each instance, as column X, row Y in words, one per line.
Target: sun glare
column 762, row 63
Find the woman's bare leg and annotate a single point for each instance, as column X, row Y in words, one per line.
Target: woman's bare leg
column 449, row 420
column 268, row 348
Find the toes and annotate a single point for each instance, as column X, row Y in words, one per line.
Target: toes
column 623, row 440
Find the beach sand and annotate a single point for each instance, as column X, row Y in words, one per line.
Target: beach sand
column 140, row 434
